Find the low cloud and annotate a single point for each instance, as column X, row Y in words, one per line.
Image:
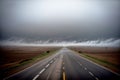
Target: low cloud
column 94, row 43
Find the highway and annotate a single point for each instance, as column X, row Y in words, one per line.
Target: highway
column 65, row 65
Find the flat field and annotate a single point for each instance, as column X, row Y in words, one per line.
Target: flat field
column 106, row 56
column 15, row 58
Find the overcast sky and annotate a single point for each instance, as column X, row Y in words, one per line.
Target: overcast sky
column 60, row 19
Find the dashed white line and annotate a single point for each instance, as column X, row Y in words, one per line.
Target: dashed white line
column 85, row 68
column 47, row 65
column 91, row 74
column 54, row 62
column 42, row 71
column 51, row 61
column 63, row 68
column 79, row 63
column 35, row 77
column 38, row 74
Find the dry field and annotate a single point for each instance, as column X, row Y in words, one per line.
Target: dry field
column 107, row 57
column 14, row 56
column 90, row 49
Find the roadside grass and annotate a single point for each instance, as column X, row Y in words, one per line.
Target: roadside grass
column 99, row 60
column 27, row 62
column 37, row 58
column 113, row 67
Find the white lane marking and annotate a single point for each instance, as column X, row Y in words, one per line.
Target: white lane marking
column 47, row 65
column 96, row 78
column 85, row 68
column 80, row 64
column 98, row 64
column 54, row 62
column 63, row 68
column 42, row 71
column 51, row 61
column 35, row 77
column 91, row 74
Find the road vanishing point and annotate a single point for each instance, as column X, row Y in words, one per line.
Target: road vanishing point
column 65, row 65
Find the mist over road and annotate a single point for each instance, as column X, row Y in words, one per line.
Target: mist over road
column 65, row 65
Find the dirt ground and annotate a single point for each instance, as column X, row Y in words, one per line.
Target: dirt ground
column 108, row 54
column 90, row 49
column 109, row 57
column 11, row 55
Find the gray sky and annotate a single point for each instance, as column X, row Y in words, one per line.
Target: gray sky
column 60, row 19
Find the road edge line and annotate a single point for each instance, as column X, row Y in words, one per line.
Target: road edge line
column 96, row 63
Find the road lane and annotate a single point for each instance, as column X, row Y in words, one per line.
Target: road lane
column 65, row 65
column 53, row 72
column 73, row 70
column 84, row 68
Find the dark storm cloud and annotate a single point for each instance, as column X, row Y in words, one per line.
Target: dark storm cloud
column 61, row 19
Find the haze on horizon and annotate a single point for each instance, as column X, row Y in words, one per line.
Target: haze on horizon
column 61, row 20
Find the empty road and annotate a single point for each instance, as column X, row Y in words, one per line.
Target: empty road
column 64, row 65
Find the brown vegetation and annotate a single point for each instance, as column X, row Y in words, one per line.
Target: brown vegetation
column 105, row 56
column 14, row 56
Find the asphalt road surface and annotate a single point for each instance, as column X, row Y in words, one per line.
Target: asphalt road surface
column 65, row 65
